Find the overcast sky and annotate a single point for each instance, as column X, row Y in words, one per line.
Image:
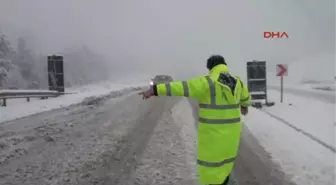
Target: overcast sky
column 176, row 37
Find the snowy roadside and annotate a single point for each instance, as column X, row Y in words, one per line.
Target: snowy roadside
column 318, row 88
column 325, row 87
column 300, row 137
column 326, row 96
column 18, row 108
column 310, row 115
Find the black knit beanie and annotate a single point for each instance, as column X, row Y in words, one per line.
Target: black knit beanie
column 215, row 60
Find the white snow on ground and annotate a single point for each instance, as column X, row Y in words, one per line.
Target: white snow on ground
column 329, row 88
column 325, row 95
column 182, row 114
column 311, row 115
column 17, row 108
column 325, row 87
column 307, row 161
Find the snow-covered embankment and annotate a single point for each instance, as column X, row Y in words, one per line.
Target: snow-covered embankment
column 299, row 134
column 18, row 108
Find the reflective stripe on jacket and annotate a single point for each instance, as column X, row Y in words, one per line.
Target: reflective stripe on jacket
column 220, row 96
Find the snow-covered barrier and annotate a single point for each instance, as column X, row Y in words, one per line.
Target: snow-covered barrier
column 97, row 100
column 91, row 96
column 22, row 93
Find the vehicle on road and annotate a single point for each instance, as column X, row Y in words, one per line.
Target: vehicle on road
column 160, row 79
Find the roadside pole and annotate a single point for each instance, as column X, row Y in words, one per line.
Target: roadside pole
column 281, row 89
column 282, row 70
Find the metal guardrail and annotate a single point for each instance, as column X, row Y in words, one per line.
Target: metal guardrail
column 16, row 94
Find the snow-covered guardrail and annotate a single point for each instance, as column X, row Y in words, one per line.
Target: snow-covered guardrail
column 14, row 94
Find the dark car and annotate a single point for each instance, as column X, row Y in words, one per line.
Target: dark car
column 158, row 79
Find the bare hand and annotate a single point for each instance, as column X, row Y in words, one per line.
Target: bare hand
column 244, row 110
column 147, row 94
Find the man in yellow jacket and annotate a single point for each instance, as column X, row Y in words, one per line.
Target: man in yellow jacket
column 222, row 99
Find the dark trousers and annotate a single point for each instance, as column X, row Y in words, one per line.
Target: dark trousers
column 226, row 182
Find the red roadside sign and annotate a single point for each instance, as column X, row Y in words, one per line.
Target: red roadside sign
column 281, row 70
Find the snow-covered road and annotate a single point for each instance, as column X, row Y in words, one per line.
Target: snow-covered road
column 122, row 140
column 94, row 144
column 118, row 138
column 299, row 134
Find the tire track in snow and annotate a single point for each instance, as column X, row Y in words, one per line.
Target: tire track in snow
column 104, row 147
column 167, row 156
column 132, row 146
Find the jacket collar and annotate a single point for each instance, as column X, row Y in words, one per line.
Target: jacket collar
column 219, row 68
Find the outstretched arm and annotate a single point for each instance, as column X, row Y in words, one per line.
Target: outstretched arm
column 193, row 88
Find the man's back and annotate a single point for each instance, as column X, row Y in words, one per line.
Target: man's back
column 220, row 96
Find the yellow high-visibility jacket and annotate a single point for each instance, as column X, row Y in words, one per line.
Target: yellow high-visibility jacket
column 220, row 96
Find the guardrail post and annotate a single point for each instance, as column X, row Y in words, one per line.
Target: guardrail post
column 12, row 94
column 4, row 103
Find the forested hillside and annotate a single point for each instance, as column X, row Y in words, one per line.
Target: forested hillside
column 21, row 67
